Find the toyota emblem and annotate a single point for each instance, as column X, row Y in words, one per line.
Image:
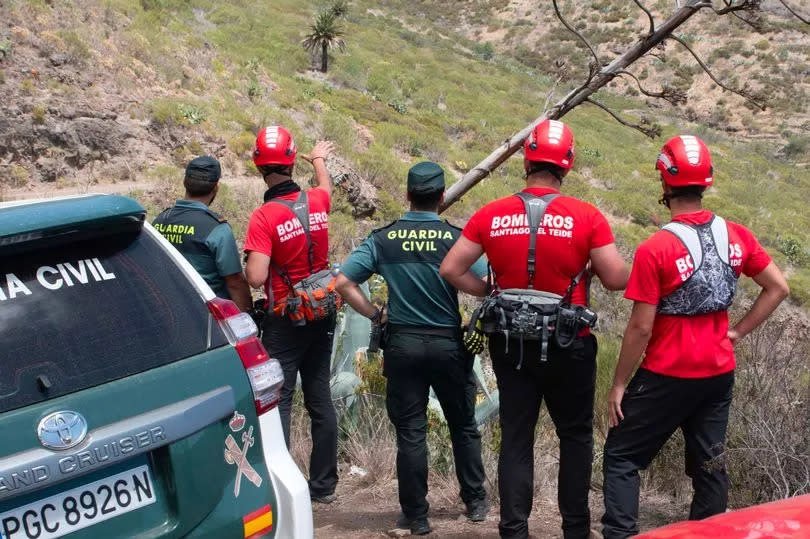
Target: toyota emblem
column 62, row 430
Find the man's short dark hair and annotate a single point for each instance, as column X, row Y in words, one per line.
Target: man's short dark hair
column 688, row 192
column 197, row 187
column 540, row 166
column 426, row 201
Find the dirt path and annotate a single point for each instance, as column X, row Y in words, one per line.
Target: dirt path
column 51, row 190
column 370, row 511
column 363, row 511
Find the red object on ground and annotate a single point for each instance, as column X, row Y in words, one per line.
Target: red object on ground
column 785, row 519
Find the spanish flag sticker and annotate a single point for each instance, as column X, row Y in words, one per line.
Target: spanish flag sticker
column 258, row 522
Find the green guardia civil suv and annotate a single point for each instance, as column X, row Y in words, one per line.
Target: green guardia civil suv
column 133, row 402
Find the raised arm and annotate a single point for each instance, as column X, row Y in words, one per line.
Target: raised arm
column 456, row 266
column 322, row 150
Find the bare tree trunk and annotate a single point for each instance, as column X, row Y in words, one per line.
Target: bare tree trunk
column 324, row 56
column 573, row 99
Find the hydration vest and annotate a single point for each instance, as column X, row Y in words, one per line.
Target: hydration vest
column 712, row 285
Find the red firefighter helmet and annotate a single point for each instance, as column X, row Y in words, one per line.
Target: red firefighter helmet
column 551, row 141
column 274, row 146
column 685, row 160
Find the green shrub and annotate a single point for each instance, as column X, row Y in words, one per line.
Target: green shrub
column 195, row 148
column 242, row 143
column 800, row 288
column 485, row 50
column 38, row 114
column 166, row 112
column 797, row 146
column 794, row 249
column 255, row 90
column 78, row 50
column 18, row 176
column 6, row 47
column 192, row 113
column 27, row 86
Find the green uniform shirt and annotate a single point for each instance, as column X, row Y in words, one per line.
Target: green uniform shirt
column 408, row 253
column 205, row 239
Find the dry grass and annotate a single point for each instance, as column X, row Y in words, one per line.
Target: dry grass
column 768, row 449
column 768, row 454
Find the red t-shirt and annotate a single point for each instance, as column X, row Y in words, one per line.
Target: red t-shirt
column 275, row 231
column 688, row 346
column 570, row 229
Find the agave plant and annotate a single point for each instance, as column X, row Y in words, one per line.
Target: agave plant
column 325, row 34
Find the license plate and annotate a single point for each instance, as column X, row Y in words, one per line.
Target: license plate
column 80, row 507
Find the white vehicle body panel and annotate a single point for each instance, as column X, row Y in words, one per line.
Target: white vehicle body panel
column 294, row 519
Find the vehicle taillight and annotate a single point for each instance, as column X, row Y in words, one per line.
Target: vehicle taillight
column 265, row 373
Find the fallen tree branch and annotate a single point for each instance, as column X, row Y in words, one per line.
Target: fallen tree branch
column 745, row 5
column 794, row 13
column 753, row 23
column 741, row 92
column 572, row 100
column 650, row 130
column 575, row 32
column 672, row 95
column 649, row 15
column 551, row 92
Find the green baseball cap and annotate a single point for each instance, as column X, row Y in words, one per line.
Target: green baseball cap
column 204, row 168
column 425, row 178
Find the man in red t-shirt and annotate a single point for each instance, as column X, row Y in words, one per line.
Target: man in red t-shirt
column 682, row 283
column 570, row 235
column 278, row 256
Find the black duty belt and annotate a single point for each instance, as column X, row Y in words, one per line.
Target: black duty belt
column 451, row 333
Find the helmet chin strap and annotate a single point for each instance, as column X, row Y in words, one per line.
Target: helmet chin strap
column 667, row 198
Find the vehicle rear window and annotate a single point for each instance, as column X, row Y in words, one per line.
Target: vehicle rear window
column 82, row 314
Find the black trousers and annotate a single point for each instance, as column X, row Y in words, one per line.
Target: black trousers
column 414, row 363
column 566, row 381
column 654, row 406
column 308, row 350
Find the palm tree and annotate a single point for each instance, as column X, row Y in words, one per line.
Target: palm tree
column 326, row 34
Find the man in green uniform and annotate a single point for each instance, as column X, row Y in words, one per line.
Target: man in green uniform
column 424, row 347
column 203, row 237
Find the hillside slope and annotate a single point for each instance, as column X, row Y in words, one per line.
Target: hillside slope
column 124, row 92
column 771, row 60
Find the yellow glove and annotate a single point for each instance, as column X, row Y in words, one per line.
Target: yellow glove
column 474, row 340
